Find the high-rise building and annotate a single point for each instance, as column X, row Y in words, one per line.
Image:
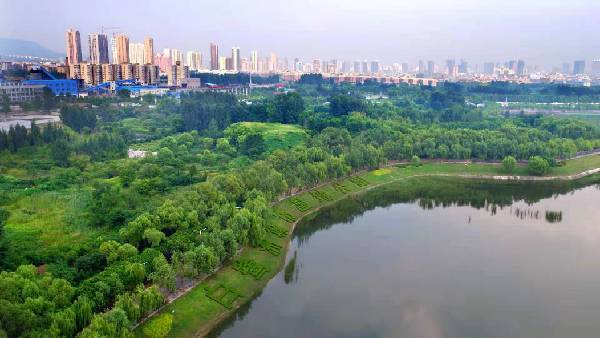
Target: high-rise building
column 194, row 60
column 113, row 48
column 596, row 67
column 222, row 63
column 235, row 59
column 122, row 48
column 579, row 67
column 214, row 56
column 148, row 51
column 316, row 66
column 374, row 66
column 520, row 67
column 175, row 55
column 98, row 48
column 450, row 66
column 346, row 67
column 177, row 73
column 365, row 67
column 421, row 69
column 273, row 65
column 356, row 67
column 136, row 53
column 163, row 61
column 430, row 67
column 245, row 65
column 254, row 61
column 566, row 68
column 463, row 67
column 73, row 47
column 405, row 67
column 489, row 68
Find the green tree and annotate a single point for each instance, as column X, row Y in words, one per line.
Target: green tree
column 343, row 104
column 154, row 236
column 163, row 274
column 78, row 118
column 4, row 103
column 60, row 151
column 509, row 163
column 538, row 166
column 286, row 108
column 252, row 145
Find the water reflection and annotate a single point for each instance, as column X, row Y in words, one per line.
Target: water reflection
column 411, row 261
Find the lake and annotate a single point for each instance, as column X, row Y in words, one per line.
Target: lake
column 495, row 260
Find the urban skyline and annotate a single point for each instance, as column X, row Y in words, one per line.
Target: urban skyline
column 389, row 36
column 126, row 51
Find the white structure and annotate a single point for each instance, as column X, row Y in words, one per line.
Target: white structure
column 194, row 60
column 136, row 53
column 236, row 62
column 254, row 61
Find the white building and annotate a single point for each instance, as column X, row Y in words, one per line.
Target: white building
column 136, row 53
column 194, row 60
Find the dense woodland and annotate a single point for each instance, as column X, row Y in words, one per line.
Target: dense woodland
column 204, row 188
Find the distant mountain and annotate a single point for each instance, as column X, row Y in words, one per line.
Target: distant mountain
column 13, row 47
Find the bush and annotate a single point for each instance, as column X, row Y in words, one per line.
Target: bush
column 509, row 163
column 538, row 166
column 159, row 327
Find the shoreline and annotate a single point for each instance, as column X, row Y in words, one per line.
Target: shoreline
column 375, row 178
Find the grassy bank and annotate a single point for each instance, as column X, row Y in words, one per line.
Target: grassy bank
column 196, row 313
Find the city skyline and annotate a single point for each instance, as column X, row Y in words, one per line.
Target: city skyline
column 305, row 30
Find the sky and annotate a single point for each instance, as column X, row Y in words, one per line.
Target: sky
column 542, row 32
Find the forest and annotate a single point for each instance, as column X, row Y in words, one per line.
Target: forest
column 92, row 241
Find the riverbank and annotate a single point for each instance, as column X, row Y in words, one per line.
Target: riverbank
column 201, row 309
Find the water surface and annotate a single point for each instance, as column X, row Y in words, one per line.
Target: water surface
column 481, row 265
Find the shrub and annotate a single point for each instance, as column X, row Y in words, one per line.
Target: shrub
column 538, row 166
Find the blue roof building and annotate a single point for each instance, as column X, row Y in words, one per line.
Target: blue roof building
column 59, row 87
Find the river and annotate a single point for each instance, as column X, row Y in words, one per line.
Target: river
column 496, row 260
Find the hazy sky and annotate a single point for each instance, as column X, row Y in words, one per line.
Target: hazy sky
column 543, row 32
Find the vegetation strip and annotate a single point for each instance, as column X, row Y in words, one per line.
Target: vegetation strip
column 195, row 314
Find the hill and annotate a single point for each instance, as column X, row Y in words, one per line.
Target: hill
column 17, row 47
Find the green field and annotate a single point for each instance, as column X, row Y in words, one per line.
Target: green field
column 195, row 314
column 276, row 135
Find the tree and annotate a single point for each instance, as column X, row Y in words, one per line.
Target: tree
column 109, row 205
column 163, row 274
column 343, row 104
column 159, row 327
column 153, row 236
column 206, row 259
column 78, row 118
column 286, row 108
column 538, row 166
column 509, row 163
column 415, row 160
column 123, row 93
column 5, row 103
column 4, row 214
column 60, row 151
column 252, row 145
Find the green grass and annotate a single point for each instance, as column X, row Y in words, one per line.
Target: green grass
column 136, row 125
column 195, row 314
column 277, row 135
column 46, row 225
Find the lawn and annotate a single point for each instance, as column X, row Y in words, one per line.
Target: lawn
column 276, row 135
